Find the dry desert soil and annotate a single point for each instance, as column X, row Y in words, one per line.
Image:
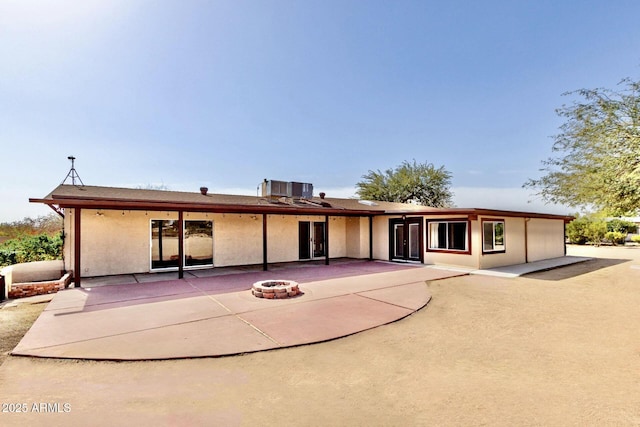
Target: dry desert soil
column 555, row 348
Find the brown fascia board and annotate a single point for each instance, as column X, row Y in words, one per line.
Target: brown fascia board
column 75, row 202
column 483, row 212
column 72, row 202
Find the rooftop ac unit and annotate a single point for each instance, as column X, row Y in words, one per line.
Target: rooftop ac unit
column 274, row 188
column 296, row 190
column 301, row 190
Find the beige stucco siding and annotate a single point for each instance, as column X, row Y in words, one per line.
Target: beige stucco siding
column 119, row 242
column 237, row 239
column 283, row 239
column 337, row 237
column 545, row 239
column 357, row 237
column 115, row 242
column 453, row 258
column 514, row 243
column 381, row 237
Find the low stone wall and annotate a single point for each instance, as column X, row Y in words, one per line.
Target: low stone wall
column 29, row 289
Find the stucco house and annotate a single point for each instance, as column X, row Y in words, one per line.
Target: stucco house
column 110, row 231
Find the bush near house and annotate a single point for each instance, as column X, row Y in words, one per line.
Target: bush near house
column 585, row 229
column 42, row 247
column 616, row 237
column 31, row 239
column 591, row 230
column 635, row 239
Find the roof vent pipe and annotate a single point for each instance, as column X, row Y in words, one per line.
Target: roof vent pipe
column 204, row 190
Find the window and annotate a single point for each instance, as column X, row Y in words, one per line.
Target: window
column 198, row 244
column 493, row 236
column 449, row 235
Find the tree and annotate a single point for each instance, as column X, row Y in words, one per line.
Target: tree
column 49, row 224
column 599, row 152
column 586, row 229
column 410, row 182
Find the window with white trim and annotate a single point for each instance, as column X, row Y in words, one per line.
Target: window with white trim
column 493, row 236
column 449, row 235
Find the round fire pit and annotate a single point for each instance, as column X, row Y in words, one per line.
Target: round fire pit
column 275, row 289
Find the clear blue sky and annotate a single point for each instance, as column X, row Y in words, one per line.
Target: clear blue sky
column 225, row 93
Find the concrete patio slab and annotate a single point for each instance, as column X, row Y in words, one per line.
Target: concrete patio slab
column 204, row 316
column 411, row 296
column 324, row 319
column 531, row 267
column 220, row 336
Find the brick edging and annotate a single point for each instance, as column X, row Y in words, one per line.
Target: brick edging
column 29, row 289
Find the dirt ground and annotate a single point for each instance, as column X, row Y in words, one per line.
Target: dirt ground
column 14, row 323
column 557, row 348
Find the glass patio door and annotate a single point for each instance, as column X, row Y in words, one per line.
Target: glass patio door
column 311, row 240
column 198, row 244
column 405, row 239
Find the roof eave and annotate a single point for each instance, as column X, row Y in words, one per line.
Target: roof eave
column 69, row 202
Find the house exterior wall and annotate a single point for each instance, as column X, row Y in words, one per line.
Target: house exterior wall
column 381, row 237
column 237, row 239
column 113, row 242
column 514, row 243
column 282, row 237
column 337, row 237
column 546, row 239
column 119, row 242
column 357, row 237
column 452, row 258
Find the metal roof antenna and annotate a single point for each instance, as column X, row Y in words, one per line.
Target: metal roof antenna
column 73, row 174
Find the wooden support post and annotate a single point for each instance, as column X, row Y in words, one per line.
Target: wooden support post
column 370, row 238
column 77, row 268
column 264, row 242
column 526, row 240
column 180, row 245
column 326, row 239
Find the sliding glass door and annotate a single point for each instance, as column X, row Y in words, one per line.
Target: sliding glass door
column 198, row 244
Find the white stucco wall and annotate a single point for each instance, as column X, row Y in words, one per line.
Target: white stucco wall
column 381, row 237
column 115, row 242
column 337, row 237
column 357, row 237
column 546, row 239
column 237, row 239
column 514, row 243
column 119, row 242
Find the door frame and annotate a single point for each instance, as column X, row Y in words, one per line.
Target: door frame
column 406, row 222
column 310, row 239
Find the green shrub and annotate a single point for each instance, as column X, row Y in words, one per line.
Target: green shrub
column 583, row 230
column 576, row 231
column 596, row 231
column 615, row 237
column 636, row 239
column 41, row 247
